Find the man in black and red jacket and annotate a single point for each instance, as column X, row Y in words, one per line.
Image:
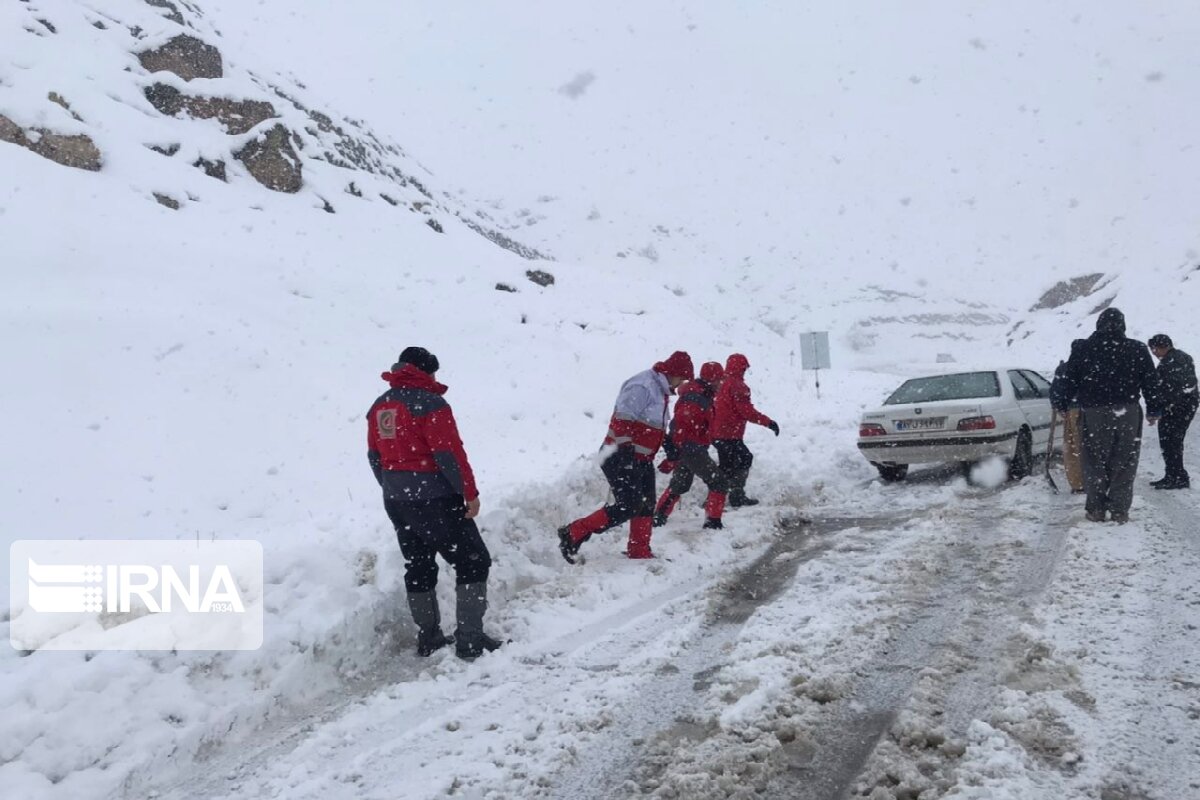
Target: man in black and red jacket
column 687, row 454
column 635, row 433
column 430, row 496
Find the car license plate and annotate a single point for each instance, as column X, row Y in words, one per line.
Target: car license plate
column 921, row 424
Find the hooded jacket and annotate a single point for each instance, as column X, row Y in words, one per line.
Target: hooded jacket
column 734, row 407
column 413, row 444
column 639, row 419
column 695, row 409
column 1109, row 369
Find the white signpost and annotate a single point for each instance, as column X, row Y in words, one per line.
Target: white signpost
column 814, row 354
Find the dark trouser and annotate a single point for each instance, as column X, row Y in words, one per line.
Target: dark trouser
column 694, row 461
column 1112, row 442
column 736, row 459
column 632, row 482
column 437, row 527
column 1172, row 430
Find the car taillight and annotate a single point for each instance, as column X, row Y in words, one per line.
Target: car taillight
column 871, row 429
column 977, row 424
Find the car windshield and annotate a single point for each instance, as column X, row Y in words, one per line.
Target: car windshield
column 963, row 386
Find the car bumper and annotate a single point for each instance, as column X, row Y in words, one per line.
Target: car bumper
column 936, row 449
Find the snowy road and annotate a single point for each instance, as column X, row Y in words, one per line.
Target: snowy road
column 931, row 648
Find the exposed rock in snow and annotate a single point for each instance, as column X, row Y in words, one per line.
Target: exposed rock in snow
column 185, row 56
column 236, row 116
column 70, row 150
column 272, row 161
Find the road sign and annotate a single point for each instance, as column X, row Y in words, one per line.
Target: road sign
column 814, row 350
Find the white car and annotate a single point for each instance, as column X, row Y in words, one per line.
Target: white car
column 963, row 417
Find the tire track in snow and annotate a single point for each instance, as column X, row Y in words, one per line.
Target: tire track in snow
column 958, row 628
column 664, row 704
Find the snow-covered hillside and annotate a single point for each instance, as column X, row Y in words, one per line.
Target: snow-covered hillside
column 197, row 305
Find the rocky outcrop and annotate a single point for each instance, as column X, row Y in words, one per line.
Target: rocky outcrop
column 1068, row 291
column 272, row 160
column 213, row 169
column 540, row 277
column 73, row 150
column 172, row 11
column 236, row 116
column 185, row 56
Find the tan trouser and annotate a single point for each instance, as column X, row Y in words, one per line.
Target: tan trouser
column 1072, row 449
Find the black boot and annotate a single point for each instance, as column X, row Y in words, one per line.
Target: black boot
column 427, row 616
column 666, row 505
column 738, row 499
column 566, row 545
column 713, row 524
column 470, row 640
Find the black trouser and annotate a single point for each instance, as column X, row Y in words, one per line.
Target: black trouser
column 437, row 527
column 1172, row 430
column 694, row 460
column 736, row 459
column 1112, row 442
column 632, row 484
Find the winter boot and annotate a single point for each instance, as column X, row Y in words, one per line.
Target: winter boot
column 570, row 537
column 427, row 616
column 639, row 538
column 714, row 506
column 738, row 499
column 566, row 545
column 470, row 640
column 666, row 504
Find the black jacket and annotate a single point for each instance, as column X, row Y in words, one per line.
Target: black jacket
column 1063, row 395
column 1177, row 374
column 1109, row 369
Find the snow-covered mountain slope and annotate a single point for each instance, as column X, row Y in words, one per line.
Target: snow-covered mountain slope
column 955, row 154
column 150, row 94
column 711, row 179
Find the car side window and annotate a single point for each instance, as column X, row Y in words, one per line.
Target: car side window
column 1039, row 383
column 1021, row 386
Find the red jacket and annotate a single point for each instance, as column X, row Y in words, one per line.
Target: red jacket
column 733, row 406
column 412, row 440
column 694, row 410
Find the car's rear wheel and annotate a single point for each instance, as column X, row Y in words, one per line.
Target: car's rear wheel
column 967, row 467
column 892, row 473
column 1021, row 464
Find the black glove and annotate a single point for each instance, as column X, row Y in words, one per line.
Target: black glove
column 670, row 449
column 773, row 426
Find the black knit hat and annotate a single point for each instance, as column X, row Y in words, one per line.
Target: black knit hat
column 1160, row 340
column 420, row 358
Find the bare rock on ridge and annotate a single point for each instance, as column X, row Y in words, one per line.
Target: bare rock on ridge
column 272, row 161
column 75, row 150
column 236, row 116
column 185, row 56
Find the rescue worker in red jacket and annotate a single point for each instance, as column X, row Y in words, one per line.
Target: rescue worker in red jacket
column 430, row 496
column 733, row 410
column 635, row 434
column 687, row 449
